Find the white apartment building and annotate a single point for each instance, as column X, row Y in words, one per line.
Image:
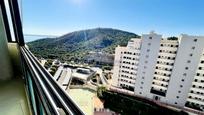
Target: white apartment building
column 168, row 71
column 126, row 64
column 196, row 93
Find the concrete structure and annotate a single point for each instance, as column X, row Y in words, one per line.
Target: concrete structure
column 5, row 62
column 163, row 70
column 101, row 75
column 83, row 74
column 196, row 93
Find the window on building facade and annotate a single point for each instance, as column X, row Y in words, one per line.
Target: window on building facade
column 196, row 80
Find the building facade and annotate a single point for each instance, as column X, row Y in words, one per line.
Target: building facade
column 168, row 71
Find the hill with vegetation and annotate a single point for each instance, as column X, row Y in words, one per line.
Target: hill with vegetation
column 74, row 46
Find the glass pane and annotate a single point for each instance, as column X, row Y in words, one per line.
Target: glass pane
column 9, row 20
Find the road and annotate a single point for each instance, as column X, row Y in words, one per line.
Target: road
column 63, row 76
column 58, row 72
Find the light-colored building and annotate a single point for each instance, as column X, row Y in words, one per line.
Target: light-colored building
column 126, row 64
column 168, row 71
column 99, row 58
column 83, row 74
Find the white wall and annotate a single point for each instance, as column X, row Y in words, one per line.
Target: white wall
column 184, row 50
column 178, row 85
column 144, row 80
column 5, row 64
column 116, row 67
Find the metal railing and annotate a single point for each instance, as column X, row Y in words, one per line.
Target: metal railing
column 53, row 98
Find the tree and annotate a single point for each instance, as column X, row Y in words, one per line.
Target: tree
column 172, row 38
column 100, row 91
column 49, row 61
column 52, row 73
column 47, row 65
column 53, row 68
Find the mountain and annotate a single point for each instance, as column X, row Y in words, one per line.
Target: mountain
column 75, row 45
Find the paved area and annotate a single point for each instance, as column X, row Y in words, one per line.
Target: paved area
column 84, row 98
column 58, row 72
column 13, row 98
column 97, row 102
column 64, row 77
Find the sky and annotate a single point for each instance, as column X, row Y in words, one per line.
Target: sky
column 166, row 17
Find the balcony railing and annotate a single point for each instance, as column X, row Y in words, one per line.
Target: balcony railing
column 45, row 97
column 44, row 93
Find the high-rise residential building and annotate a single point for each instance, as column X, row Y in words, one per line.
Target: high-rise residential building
column 164, row 70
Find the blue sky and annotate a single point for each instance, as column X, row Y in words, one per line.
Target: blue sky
column 167, row 17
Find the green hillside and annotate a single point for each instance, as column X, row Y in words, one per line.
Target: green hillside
column 74, row 46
